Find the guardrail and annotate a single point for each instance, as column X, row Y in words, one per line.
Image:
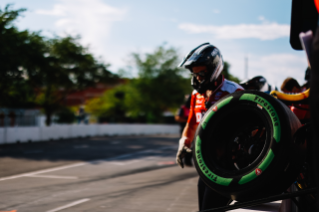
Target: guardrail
column 55, row 132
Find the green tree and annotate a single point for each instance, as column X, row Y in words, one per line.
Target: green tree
column 69, row 67
column 160, row 86
column 160, row 82
column 21, row 54
column 112, row 106
column 42, row 71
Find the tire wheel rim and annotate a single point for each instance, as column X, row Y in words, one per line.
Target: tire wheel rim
column 245, row 148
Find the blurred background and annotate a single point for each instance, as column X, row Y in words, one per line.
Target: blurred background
column 100, row 61
column 98, row 80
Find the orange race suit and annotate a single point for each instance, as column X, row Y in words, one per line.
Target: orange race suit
column 198, row 101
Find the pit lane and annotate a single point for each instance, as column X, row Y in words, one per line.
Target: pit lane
column 129, row 173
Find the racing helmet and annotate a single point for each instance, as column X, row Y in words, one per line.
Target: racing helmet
column 258, row 83
column 204, row 55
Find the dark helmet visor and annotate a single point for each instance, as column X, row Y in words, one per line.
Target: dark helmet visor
column 192, row 53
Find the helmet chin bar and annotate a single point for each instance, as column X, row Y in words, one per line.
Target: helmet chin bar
column 202, row 87
column 209, row 81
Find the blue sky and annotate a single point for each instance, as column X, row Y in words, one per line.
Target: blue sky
column 258, row 30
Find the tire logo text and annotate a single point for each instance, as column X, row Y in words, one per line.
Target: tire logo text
column 268, row 108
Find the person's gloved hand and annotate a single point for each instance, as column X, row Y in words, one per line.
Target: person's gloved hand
column 183, row 148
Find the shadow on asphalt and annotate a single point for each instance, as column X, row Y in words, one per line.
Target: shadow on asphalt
column 84, row 149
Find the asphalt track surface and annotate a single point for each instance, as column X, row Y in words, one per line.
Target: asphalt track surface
column 129, row 173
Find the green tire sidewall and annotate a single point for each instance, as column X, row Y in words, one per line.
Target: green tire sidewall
column 267, row 160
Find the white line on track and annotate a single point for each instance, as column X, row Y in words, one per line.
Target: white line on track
column 53, row 176
column 69, row 205
column 28, row 174
column 42, row 171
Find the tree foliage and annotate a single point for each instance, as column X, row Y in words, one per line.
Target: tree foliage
column 160, row 86
column 69, row 67
column 40, row 71
column 21, row 54
column 160, row 83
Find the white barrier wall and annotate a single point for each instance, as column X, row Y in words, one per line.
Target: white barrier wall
column 26, row 134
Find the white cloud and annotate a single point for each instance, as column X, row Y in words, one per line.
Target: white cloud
column 216, row 11
column 274, row 67
column 92, row 19
column 58, row 10
column 265, row 31
column 261, row 18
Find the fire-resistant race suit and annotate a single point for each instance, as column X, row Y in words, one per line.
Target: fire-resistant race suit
column 205, row 63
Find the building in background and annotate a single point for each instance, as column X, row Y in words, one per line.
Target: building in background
column 19, row 117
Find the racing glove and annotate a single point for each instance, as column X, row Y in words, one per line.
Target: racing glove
column 183, row 148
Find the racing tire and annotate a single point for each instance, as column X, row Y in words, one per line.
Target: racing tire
column 244, row 146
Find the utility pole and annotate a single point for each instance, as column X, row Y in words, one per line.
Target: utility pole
column 246, row 67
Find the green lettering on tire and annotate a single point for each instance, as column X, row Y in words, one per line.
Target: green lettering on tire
column 276, row 133
column 270, row 110
column 205, row 170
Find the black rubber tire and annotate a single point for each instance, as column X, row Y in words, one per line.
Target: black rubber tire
column 248, row 119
